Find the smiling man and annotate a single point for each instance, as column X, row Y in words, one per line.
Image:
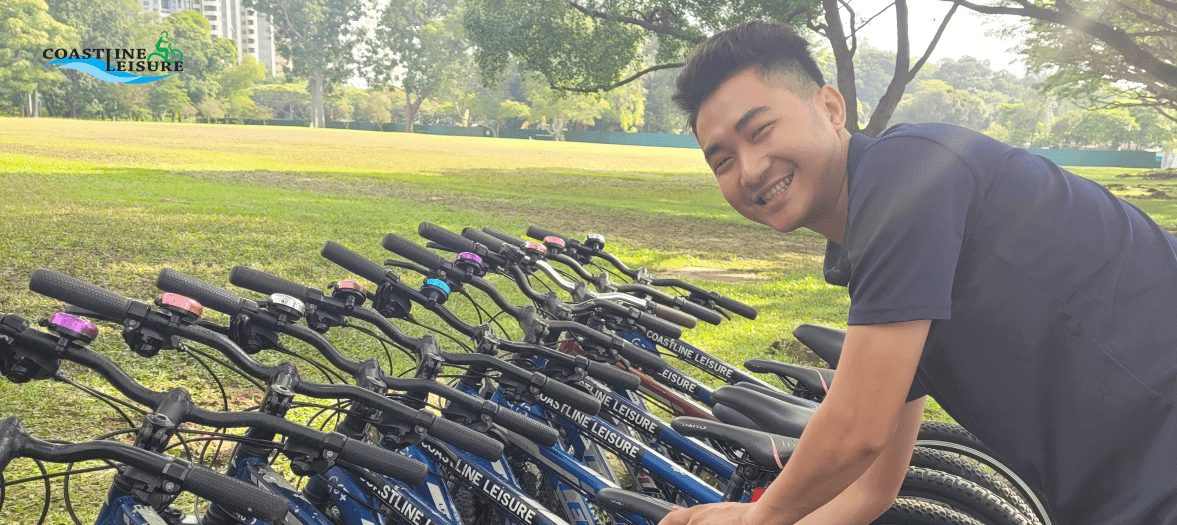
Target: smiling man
column 1036, row 307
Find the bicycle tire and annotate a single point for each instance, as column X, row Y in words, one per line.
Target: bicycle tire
column 907, row 511
column 951, row 433
column 962, row 495
column 970, row 470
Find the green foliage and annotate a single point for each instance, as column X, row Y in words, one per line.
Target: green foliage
column 168, row 98
column 557, row 110
column 377, row 107
column 420, row 46
column 283, row 101
column 1108, row 128
column 26, row 29
column 206, row 57
column 318, row 37
column 100, row 24
column 937, row 101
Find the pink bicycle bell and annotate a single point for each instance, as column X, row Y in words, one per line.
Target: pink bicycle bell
column 535, row 249
column 555, row 245
column 183, row 305
column 73, row 327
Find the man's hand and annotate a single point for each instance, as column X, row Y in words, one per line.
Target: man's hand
column 711, row 514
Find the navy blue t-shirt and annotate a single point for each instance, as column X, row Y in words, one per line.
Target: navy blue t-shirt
column 1053, row 307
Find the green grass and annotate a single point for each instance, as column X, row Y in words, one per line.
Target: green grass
column 114, row 203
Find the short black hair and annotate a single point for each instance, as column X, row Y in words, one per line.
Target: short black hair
column 768, row 46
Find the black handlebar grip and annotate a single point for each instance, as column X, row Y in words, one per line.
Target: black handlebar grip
column 79, row 293
column 443, row 236
column 494, row 243
column 662, row 326
column 353, row 262
column 613, row 376
column 736, row 307
column 626, row 502
column 572, row 397
column 262, row 282
column 535, row 232
column 236, row 496
column 211, row 296
column 383, row 461
column 526, row 427
column 699, row 311
column 466, row 439
column 412, row 251
column 641, row 357
column 504, row 236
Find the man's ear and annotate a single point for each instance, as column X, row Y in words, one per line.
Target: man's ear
column 831, row 106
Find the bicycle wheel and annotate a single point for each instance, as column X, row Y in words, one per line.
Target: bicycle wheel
column 958, row 466
column 951, row 433
column 962, row 495
column 917, row 512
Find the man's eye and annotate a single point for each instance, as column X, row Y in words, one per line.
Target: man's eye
column 759, row 130
column 723, row 162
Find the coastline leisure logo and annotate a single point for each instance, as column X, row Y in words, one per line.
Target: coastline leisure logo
column 121, row 65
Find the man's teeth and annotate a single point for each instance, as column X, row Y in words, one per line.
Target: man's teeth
column 775, row 190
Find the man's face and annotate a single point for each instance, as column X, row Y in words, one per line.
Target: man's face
column 775, row 154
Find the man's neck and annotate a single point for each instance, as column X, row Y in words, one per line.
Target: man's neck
column 831, row 221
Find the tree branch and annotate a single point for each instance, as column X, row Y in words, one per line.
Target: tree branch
column 662, row 29
column 874, row 16
column 622, row 82
column 935, row 40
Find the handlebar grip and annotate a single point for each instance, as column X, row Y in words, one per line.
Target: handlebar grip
column 504, row 236
column 672, row 315
column 262, row 282
column 353, row 262
column 644, row 359
column 466, row 438
column 667, row 321
column 79, row 293
column 526, row 427
column 572, row 397
column 211, row 296
column 383, row 461
column 736, row 307
column 494, row 243
column 441, row 235
column 699, row 311
column 613, row 376
column 535, row 232
column 412, row 251
column 626, row 502
column 236, row 496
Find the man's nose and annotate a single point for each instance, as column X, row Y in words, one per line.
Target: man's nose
column 753, row 169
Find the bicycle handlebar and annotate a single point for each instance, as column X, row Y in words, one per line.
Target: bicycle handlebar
column 214, row 297
column 231, row 494
column 412, row 251
column 355, row 263
column 725, row 302
column 79, row 293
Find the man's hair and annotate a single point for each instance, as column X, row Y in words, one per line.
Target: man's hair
column 779, row 53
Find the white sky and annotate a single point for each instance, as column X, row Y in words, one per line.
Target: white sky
column 968, row 33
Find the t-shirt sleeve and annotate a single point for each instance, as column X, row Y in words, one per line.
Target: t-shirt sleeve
column 908, row 209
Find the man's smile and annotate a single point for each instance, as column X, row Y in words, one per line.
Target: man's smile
column 773, row 191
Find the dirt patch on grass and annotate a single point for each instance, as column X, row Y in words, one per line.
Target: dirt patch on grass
column 711, row 274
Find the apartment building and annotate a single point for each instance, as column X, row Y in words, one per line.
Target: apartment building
column 251, row 31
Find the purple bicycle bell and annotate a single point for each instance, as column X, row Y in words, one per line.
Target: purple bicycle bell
column 73, row 327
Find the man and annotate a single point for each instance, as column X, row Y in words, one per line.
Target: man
column 1036, row 307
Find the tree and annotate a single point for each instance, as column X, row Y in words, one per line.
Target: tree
column 100, row 24
column 318, row 37
column 237, row 83
column 377, row 108
column 594, row 45
column 26, row 30
column 557, row 110
column 205, row 56
column 936, row 101
column 1101, row 127
column 625, row 108
column 427, row 49
column 169, row 98
column 1095, row 45
column 283, row 101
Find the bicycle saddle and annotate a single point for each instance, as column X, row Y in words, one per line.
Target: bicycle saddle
column 778, row 395
column 826, row 342
column 625, row 502
column 816, row 380
column 766, row 413
column 767, row 451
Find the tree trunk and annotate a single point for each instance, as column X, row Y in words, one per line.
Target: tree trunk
column 318, row 115
column 843, row 60
column 410, row 112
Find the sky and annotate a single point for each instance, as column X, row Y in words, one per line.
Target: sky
column 968, row 33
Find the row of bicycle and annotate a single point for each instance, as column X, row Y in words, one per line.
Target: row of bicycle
column 557, row 419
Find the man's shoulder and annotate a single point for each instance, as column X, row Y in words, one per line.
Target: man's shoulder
column 930, row 142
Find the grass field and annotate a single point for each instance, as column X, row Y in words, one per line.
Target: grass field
column 114, row 203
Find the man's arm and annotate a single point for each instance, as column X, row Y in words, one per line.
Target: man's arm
column 874, row 492
column 854, row 424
